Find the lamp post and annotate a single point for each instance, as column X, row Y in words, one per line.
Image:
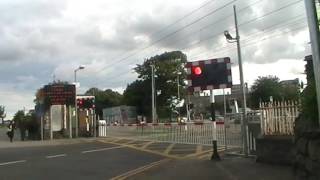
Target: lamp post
column 178, row 86
column 75, row 103
column 230, row 39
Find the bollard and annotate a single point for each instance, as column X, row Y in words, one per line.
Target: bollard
column 215, row 156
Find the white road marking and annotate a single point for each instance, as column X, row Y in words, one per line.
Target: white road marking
column 102, row 149
column 12, row 162
column 54, row 156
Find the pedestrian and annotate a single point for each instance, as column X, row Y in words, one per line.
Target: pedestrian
column 10, row 131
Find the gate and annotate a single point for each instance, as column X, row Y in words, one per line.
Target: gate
column 186, row 133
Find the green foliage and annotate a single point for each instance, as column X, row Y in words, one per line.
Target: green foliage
column 137, row 94
column 27, row 122
column 265, row 87
column 309, row 96
column 18, row 118
column 104, row 99
column 168, row 66
column 31, row 124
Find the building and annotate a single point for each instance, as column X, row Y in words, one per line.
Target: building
column 120, row 114
column 294, row 83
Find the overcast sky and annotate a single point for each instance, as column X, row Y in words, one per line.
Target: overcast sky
column 44, row 39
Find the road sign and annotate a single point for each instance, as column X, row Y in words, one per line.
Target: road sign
column 209, row 74
column 59, row 94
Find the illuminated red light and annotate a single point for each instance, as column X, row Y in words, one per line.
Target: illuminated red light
column 197, row 70
column 80, row 102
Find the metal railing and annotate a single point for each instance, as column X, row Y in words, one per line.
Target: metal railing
column 186, row 133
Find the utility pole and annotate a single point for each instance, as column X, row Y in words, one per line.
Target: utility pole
column 178, row 96
column 75, row 104
column 153, row 94
column 315, row 44
column 243, row 91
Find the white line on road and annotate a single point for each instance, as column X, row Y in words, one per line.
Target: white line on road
column 54, row 156
column 12, row 162
column 102, row 149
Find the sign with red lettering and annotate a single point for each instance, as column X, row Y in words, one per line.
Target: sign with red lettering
column 60, row 94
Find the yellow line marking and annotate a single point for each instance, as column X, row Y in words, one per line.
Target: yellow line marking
column 169, row 148
column 147, row 144
column 186, row 150
column 204, row 156
column 139, row 170
column 197, row 154
column 131, row 141
column 203, row 152
column 199, row 149
column 149, row 151
column 101, row 149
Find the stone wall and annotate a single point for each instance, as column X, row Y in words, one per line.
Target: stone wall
column 307, row 160
column 275, row 150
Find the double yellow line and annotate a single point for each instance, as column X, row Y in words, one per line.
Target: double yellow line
column 139, row 170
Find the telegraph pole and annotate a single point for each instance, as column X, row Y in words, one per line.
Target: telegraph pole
column 243, row 91
column 315, row 45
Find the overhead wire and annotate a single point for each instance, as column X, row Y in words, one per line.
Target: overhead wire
column 244, row 23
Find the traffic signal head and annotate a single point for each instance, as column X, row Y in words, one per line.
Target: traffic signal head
column 85, row 103
column 80, row 103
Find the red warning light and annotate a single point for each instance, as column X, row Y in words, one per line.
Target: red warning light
column 197, row 70
column 80, row 102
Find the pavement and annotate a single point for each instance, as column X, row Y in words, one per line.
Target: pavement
column 4, row 137
column 118, row 158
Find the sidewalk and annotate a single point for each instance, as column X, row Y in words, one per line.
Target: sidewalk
column 14, row 144
column 230, row 168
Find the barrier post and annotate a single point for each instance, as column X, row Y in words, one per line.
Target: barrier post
column 215, row 156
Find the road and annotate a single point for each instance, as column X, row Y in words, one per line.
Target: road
column 94, row 160
column 116, row 158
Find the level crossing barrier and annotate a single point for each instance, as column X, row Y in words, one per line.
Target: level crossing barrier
column 199, row 132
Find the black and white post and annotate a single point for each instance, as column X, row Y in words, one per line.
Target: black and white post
column 215, row 156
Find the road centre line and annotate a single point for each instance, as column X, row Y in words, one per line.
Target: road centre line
column 12, row 162
column 55, row 156
column 102, row 149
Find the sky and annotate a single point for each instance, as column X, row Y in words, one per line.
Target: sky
column 44, row 40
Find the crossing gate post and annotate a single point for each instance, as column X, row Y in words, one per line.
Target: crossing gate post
column 215, row 156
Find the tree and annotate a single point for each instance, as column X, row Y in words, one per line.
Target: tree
column 270, row 86
column 104, row 99
column 309, row 107
column 18, row 117
column 263, row 88
column 32, row 125
column 2, row 113
column 137, row 94
column 168, row 66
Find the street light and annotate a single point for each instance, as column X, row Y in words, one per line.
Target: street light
column 76, row 108
column 230, row 39
column 178, row 86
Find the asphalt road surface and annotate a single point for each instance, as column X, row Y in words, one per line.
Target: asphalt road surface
column 92, row 160
column 118, row 158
